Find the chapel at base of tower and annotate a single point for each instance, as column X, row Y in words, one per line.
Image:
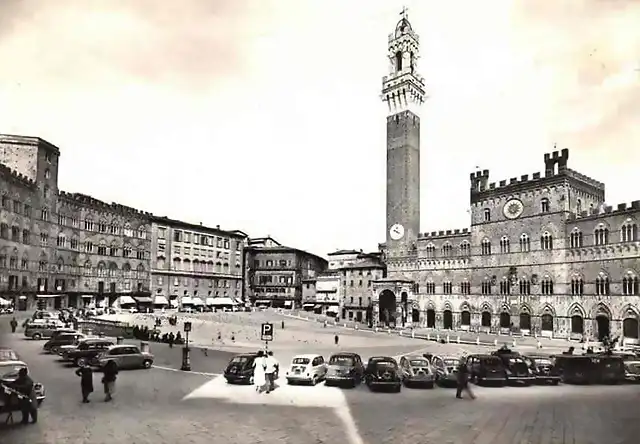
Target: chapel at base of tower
column 543, row 255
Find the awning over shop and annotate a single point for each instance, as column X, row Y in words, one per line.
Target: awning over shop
column 221, row 302
column 160, row 300
column 333, row 309
column 288, row 303
column 263, row 302
column 4, row 302
column 209, row 301
column 87, row 296
column 317, row 307
column 186, row 300
column 22, row 297
column 124, row 300
column 45, row 296
column 197, row 301
column 307, row 305
column 173, row 302
column 143, row 299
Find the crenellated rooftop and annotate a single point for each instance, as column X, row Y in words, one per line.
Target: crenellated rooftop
column 445, row 233
column 13, row 139
column 88, row 201
column 16, row 177
column 606, row 210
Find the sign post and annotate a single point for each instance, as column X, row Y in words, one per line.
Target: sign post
column 266, row 334
column 186, row 358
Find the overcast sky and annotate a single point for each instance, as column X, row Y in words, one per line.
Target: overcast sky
column 265, row 115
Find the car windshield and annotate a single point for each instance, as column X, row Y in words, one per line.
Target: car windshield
column 385, row 364
column 341, row 360
column 8, row 355
column 419, row 363
column 240, row 359
column 492, row 362
column 516, row 361
column 10, row 371
column 301, row 361
column 450, row 362
column 543, row 361
column 65, row 338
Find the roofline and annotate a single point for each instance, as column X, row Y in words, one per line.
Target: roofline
column 341, row 252
column 196, row 227
column 284, row 249
column 29, row 140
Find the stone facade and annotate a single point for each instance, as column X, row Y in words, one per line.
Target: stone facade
column 544, row 255
column 274, row 275
column 193, row 261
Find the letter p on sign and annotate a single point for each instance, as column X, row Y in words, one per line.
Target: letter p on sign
column 266, row 332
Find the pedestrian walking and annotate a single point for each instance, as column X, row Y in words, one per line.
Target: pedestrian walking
column 86, row 381
column 463, row 380
column 110, row 372
column 336, row 339
column 14, row 325
column 28, row 401
column 272, row 365
column 259, row 376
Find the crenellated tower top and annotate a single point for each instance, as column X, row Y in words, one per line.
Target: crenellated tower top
column 403, row 88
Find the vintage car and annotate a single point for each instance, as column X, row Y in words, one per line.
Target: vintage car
column 486, row 369
column 446, row 369
column 416, row 370
column 544, row 369
column 125, row 356
column 343, row 368
column 52, row 345
column 631, row 370
column 516, row 368
column 240, row 369
column 9, row 373
column 7, row 354
column 591, row 369
column 383, row 372
column 309, row 369
column 86, row 350
column 42, row 329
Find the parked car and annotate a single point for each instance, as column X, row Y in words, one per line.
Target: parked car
column 85, row 351
column 631, row 370
column 125, row 357
column 240, row 369
column 309, row 368
column 52, row 345
column 344, row 367
column 416, row 370
column 42, row 329
column 9, row 373
column 544, row 369
column 7, row 354
column 486, row 369
column 6, row 310
column 446, row 369
column 383, row 372
column 516, row 368
column 591, row 369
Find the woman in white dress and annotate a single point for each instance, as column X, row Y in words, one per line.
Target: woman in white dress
column 259, row 376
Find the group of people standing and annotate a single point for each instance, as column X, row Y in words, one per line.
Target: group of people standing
column 265, row 372
column 109, row 376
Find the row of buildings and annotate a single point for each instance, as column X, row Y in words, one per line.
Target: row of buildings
column 61, row 249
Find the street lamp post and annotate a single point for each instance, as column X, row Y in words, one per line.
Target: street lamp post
column 186, row 358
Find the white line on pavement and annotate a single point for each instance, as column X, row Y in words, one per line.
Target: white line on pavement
column 344, row 413
column 169, row 369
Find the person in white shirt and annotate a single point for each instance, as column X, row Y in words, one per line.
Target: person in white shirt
column 259, row 377
column 271, row 370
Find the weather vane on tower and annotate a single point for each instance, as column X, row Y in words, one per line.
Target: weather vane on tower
column 404, row 12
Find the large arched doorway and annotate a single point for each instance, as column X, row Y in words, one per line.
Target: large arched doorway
column 546, row 323
column 485, row 319
column 525, row 321
column 603, row 325
column 577, row 324
column 431, row 318
column 465, row 318
column 447, row 320
column 630, row 328
column 415, row 315
column 387, row 305
column 505, row 320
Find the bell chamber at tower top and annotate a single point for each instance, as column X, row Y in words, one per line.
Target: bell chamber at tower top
column 403, row 88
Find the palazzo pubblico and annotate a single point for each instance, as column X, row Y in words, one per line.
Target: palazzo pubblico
column 544, row 253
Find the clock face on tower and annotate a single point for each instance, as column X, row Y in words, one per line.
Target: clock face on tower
column 513, row 209
column 396, row 232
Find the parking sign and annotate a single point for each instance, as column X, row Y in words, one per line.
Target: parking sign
column 266, row 332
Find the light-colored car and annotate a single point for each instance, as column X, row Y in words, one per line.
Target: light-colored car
column 416, row 370
column 9, row 373
column 632, row 370
column 42, row 328
column 309, row 368
column 126, row 357
column 446, row 369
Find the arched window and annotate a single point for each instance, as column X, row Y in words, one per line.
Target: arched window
column 601, row 235
column 126, row 230
column 160, row 262
column 525, row 286
column 505, row 246
column 487, row 215
column 630, row 284
column 186, row 265
column 447, row 287
column 602, row 285
column 102, row 269
column 487, row 286
column 60, row 265
column 430, row 287
column 544, row 205
column 177, row 264
column 485, row 248
column 575, row 238
column 113, row 249
column 127, row 251
column 629, row 232
column 546, row 286
column 113, row 269
column 431, row 251
column 87, row 268
column 465, row 249
column 447, row 250
column 525, row 243
column 126, row 271
column 577, row 286
column 140, row 272
column 399, row 61
column 546, row 241
column 505, row 286
column 142, row 232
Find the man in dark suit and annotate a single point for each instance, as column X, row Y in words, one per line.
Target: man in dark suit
column 28, row 401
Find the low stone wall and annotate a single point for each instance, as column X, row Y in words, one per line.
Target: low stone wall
column 102, row 327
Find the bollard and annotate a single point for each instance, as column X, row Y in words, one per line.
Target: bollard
column 514, row 344
column 413, row 335
column 119, row 340
column 344, row 325
column 448, row 339
column 437, row 338
column 428, row 336
column 477, row 340
column 458, row 339
column 495, row 342
column 539, row 344
column 400, row 332
column 388, row 330
column 355, row 327
column 376, row 329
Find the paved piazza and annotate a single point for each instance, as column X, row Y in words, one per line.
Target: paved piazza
column 164, row 405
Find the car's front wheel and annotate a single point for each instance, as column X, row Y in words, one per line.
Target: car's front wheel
column 147, row 363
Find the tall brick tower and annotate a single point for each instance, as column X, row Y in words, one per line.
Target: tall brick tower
column 403, row 91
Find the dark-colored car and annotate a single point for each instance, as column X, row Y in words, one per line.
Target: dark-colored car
column 516, row 368
column 343, row 368
column 591, row 369
column 486, row 369
column 544, row 369
column 416, row 370
column 61, row 339
column 383, row 372
column 240, row 369
column 86, row 351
